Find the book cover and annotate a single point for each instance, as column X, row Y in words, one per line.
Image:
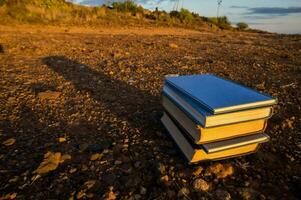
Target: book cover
column 221, row 145
column 206, row 135
column 205, row 118
column 218, row 95
column 197, row 153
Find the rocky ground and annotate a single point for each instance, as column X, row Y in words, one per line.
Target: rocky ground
column 80, row 114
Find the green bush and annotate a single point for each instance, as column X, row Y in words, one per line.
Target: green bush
column 127, row 6
column 221, row 22
column 242, row 26
column 184, row 15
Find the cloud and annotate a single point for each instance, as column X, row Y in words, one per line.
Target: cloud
column 274, row 10
column 239, row 7
column 259, row 17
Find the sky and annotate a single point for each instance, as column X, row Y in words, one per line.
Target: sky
column 281, row 16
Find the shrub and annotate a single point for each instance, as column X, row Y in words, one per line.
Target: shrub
column 242, row 26
column 127, row 6
column 221, row 22
column 184, row 15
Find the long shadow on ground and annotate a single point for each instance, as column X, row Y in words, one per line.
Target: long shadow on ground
column 139, row 108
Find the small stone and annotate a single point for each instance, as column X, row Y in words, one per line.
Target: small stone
column 9, row 142
column 89, row 184
column 143, row 190
column 162, row 168
column 173, row 45
column 71, row 171
column 118, row 162
column 183, row 192
column 220, row 171
column 164, row 179
column 248, row 193
column 49, row 95
column 65, row 157
column 9, row 196
column 110, row 195
column 96, row 156
column 197, row 171
column 200, row 185
column 80, row 194
column 222, row 195
column 260, row 86
column 14, row 179
column 62, row 139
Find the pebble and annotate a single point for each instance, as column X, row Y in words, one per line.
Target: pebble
column 220, row 171
column 49, row 95
column 183, row 192
column 222, row 195
column 173, row 45
column 164, row 179
column 197, row 171
column 248, row 193
column 143, row 190
column 162, row 168
column 200, row 185
column 95, row 156
column 117, row 162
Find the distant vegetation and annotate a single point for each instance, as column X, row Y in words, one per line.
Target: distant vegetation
column 242, row 26
column 128, row 13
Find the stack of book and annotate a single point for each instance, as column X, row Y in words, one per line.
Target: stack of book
column 210, row 118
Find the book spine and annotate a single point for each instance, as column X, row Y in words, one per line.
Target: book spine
column 192, row 116
column 183, row 92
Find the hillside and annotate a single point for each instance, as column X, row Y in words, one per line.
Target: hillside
column 60, row 12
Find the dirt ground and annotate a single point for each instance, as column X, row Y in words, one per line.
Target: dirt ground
column 80, row 113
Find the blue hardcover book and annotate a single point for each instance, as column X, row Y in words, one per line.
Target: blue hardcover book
column 173, row 99
column 218, row 95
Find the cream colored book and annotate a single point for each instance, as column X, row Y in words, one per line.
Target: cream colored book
column 212, row 151
column 205, row 135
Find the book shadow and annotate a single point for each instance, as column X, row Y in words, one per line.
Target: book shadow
column 139, row 108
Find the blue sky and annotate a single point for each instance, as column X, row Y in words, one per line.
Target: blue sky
column 282, row 16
